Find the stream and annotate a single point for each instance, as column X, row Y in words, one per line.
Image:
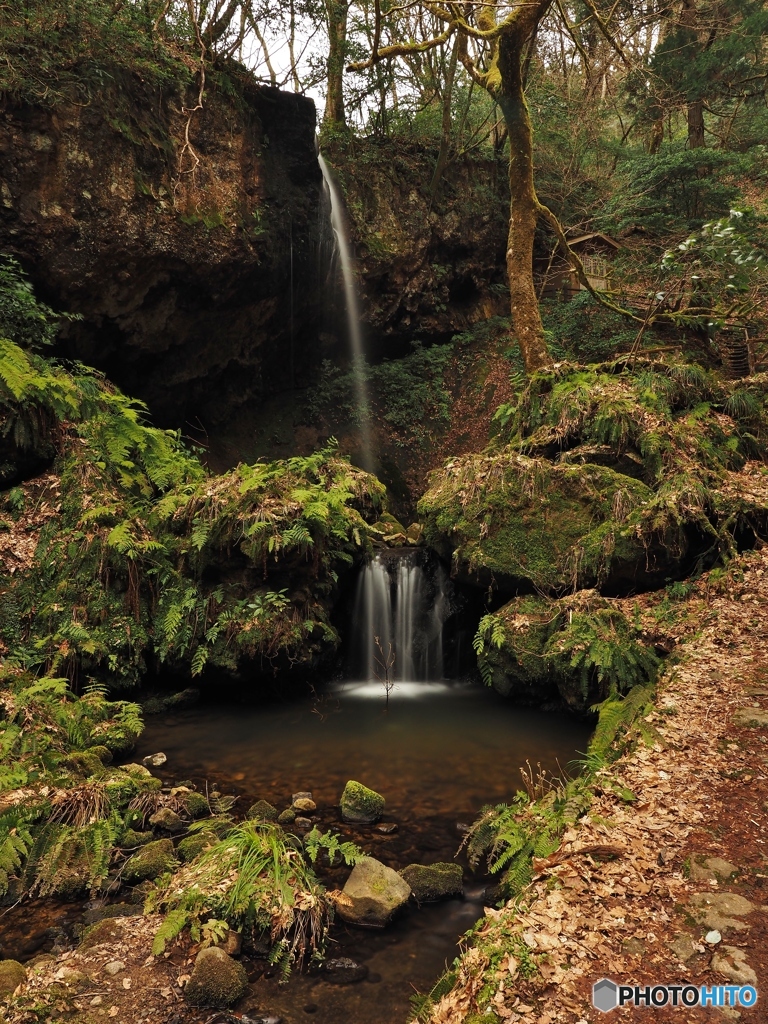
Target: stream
column 437, row 751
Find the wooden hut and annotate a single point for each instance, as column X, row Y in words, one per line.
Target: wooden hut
column 557, row 279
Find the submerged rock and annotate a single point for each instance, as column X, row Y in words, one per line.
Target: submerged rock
column 432, row 882
column 12, row 974
column 373, row 894
column 343, row 971
column 154, row 760
column 360, row 805
column 217, row 980
column 150, row 862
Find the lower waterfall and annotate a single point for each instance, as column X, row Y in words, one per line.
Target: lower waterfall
column 401, row 603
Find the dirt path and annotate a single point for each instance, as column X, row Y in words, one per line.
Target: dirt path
column 639, row 911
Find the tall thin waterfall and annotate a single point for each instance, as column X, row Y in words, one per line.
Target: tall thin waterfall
column 338, row 223
column 400, row 606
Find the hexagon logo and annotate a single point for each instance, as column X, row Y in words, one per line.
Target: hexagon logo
column 605, row 995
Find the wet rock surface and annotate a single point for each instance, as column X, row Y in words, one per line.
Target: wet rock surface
column 432, row 882
column 372, row 895
column 360, row 805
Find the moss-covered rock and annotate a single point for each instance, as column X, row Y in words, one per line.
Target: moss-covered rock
column 262, row 810
column 150, row 862
column 103, row 753
column 432, row 882
column 373, row 894
column 110, row 929
column 196, row 805
column 522, row 521
column 191, row 845
column 12, row 974
column 360, row 805
column 131, row 839
column 167, row 820
column 217, row 980
column 604, row 476
column 287, row 817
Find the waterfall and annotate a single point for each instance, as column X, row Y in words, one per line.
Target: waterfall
column 401, row 599
column 353, row 313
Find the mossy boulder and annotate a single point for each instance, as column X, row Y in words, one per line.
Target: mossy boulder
column 372, row 895
column 217, row 980
column 131, row 839
column 196, row 805
column 110, row 930
column 287, row 817
column 432, row 882
column 262, row 810
column 523, row 521
column 84, row 763
column 12, row 974
column 360, row 805
column 150, row 862
column 104, row 754
column 191, row 845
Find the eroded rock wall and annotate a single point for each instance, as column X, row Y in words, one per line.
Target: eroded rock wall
column 178, row 260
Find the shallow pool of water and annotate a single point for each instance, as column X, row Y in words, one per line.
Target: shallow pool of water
column 437, row 752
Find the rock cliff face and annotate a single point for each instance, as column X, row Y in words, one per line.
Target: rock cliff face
column 429, row 266
column 179, row 260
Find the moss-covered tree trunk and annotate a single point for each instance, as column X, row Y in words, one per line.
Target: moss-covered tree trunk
column 337, row 11
column 523, row 204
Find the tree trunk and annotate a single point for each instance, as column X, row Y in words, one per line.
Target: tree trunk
column 523, row 208
column 695, row 124
column 337, row 40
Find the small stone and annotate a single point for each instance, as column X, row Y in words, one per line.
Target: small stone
column 216, row 980
column 262, row 811
column 167, row 820
column 303, row 822
column 154, row 760
column 287, row 817
column 360, row 805
column 12, row 974
column 713, row 937
column 114, row 967
column 304, row 803
column 304, row 795
column 683, row 947
column 97, row 1001
column 343, row 971
column 633, row 946
column 232, row 944
column 387, row 829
